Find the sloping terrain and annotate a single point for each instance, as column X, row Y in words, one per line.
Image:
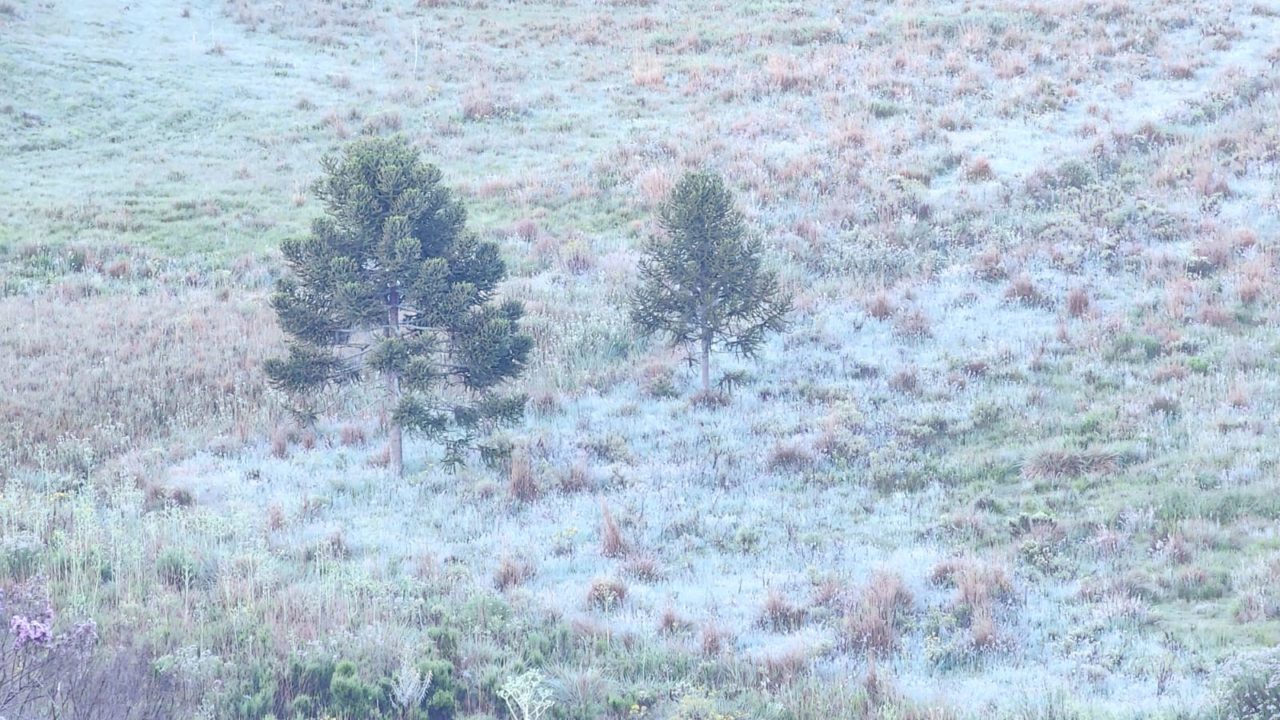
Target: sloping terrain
column 1014, row 457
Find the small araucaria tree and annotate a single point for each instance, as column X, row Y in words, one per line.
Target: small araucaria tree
column 702, row 285
column 390, row 283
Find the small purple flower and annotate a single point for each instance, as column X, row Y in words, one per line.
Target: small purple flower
column 33, row 631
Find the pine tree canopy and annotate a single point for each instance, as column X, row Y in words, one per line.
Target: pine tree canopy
column 392, row 232
column 702, row 283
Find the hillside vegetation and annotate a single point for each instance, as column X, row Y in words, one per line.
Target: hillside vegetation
column 1013, row 457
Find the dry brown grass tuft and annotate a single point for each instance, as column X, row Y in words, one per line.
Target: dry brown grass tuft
column 790, row 456
column 715, row 639
column 606, row 593
column 880, row 306
column 611, row 543
column 1065, row 464
column 1213, row 314
column 906, row 380
column 983, row 633
column 1238, row 397
column 989, row 264
column 275, row 517
column 829, row 593
column 526, row 229
column 912, row 324
column 671, row 623
column 1163, row 404
column 979, row 170
column 280, row 443
column 779, row 614
column 978, row 584
column 521, row 484
column 648, row 71
column 1023, row 289
column 643, row 567
column 782, row 667
column 875, row 618
column 653, row 186
column 1169, row 372
column 1077, row 302
column 511, row 572
column 352, row 435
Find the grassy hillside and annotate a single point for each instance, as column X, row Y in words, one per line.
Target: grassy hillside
column 1015, row 457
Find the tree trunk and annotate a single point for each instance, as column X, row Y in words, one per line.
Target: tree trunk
column 706, row 366
column 395, row 448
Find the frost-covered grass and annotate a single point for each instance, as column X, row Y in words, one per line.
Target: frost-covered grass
column 1013, row 458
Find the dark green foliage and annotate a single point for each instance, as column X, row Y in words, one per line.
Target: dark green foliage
column 257, row 704
column 446, row 641
column 311, row 678
column 20, row 560
column 351, row 696
column 303, row 706
column 702, row 285
column 390, row 226
column 177, row 569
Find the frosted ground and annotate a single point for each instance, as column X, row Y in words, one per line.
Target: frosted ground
column 1014, row 456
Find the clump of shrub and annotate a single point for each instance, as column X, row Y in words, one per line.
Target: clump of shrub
column 779, row 614
column 1055, row 464
column 612, row 544
column 1249, row 687
column 875, row 618
column 606, row 593
column 177, row 568
column 790, row 457
column 511, row 572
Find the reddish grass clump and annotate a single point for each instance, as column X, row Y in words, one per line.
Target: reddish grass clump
column 790, row 457
column 1023, row 289
column 782, row 667
column 577, row 478
column 60, row 409
column 647, row 71
column 526, row 229
column 611, row 543
column 1168, row 372
column 715, row 639
column 978, row 170
column 989, row 264
column 880, row 306
column 1238, row 397
column 275, row 517
column 906, row 380
column 983, row 633
column 511, row 572
column 352, row 435
column 643, row 567
column 1077, row 302
column 1214, row 314
column 779, row 614
column 280, row 443
column 875, row 618
column 671, row 623
column 520, row 483
column 654, row 185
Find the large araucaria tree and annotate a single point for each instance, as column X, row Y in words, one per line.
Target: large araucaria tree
column 703, row 284
column 389, row 283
